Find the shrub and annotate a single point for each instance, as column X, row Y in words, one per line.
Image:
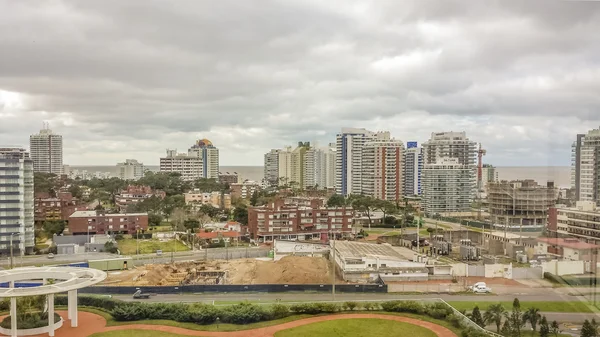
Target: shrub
column 104, row 303
column 350, row 306
column 472, row 332
column 200, row 314
column 403, row 306
column 367, row 306
column 438, row 310
column 455, row 320
column 314, row 308
column 29, row 320
column 279, row 311
column 243, row 313
column 129, row 312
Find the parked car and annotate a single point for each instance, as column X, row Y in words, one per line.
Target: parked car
column 50, row 256
column 482, row 289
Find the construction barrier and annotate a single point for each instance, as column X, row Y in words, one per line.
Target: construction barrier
column 230, row 288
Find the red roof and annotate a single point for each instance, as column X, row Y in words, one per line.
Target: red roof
column 215, row 235
column 569, row 243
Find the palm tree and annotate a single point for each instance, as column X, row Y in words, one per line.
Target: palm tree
column 494, row 314
column 532, row 315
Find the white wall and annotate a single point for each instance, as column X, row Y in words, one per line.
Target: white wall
column 561, row 268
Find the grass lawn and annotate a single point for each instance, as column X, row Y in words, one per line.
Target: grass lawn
column 366, row 327
column 224, row 327
column 572, row 306
column 128, row 246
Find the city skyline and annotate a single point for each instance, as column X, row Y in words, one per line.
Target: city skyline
column 117, row 88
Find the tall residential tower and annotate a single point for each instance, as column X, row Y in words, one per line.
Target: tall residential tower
column 413, row 167
column 449, row 173
column 585, row 169
column 16, row 201
column 47, row 151
column 382, row 173
column 349, row 146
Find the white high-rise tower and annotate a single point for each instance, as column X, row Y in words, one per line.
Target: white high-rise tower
column 47, row 151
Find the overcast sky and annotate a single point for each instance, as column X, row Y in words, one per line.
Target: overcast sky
column 128, row 79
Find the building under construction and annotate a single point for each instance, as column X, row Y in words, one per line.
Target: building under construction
column 520, row 205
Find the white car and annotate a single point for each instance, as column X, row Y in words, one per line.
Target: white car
column 482, row 289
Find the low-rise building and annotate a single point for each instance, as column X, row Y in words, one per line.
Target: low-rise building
column 281, row 221
column 568, row 249
column 216, row 199
column 218, row 236
column 244, row 190
column 368, row 262
column 581, row 221
column 57, row 208
column 228, row 178
column 135, row 194
column 100, row 222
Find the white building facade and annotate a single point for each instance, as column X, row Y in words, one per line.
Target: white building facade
column 449, row 177
column 349, row 146
column 382, row 172
column 16, row 201
column 47, row 152
column 190, row 167
column 585, row 168
column 131, row 169
column 271, row 168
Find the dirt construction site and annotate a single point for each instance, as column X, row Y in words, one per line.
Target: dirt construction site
column 288, row 270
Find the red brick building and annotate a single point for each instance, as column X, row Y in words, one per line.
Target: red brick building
column 99, row 222
column 134, row 194
column 290, row 221
column 55, row 209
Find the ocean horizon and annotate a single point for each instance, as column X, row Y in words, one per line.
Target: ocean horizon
column 560, row 175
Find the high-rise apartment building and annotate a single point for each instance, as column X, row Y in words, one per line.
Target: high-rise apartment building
column 284, row 163
column 585, row 168
column 205, row 149
column 349, row 146
column 16, row 201
column 190, row 167
column 382, row 173
column 271, row 168
column 298, row 162
column 47, row 152
column 201, row 161
column 413, row 167
column 330, row 162
column 131, row 169
column 449, row 173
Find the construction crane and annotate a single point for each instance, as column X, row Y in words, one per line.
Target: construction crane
column 480, row 153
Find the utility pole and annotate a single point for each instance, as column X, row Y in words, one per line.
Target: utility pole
column 333, row 270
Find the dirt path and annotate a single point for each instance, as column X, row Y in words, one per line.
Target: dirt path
column 91, row 323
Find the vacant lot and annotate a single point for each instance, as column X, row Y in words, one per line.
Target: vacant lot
column 128, row 246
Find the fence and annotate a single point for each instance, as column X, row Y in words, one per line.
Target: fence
column 265, row 288
column 426, row 288
column 467, row 321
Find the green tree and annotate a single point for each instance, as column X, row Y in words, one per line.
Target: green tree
column 476, row 317
column 506, row 329
column 555, row 328
column 171, row 203
column 532, row 315
column 191, row 224
column 240, row 214
column 53, row 227
column 595, row 326
column 336, row 200
column 209, row 210
column 544, row 327
column 588, row 330
column 365, row 205
column 45, row 183
column 154, row 219
column 76, row 191
column 515, row 318
column 494, row 314
column 254, row 198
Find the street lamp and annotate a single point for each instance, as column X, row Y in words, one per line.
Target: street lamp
column 137, row 239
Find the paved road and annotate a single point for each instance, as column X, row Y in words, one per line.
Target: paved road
column 212, row 253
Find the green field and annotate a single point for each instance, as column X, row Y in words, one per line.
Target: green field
column 543, row 306
column 128, row 246
column 363, row 327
